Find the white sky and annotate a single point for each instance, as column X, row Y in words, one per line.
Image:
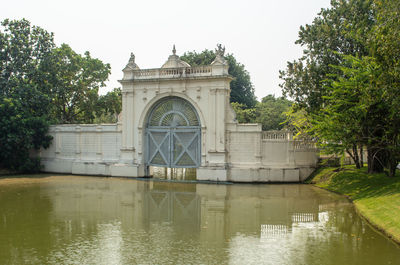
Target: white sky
column 260, row 34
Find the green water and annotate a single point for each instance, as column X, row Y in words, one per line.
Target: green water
column 92, row 220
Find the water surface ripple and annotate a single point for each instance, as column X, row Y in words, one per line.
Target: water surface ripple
column 93, row 220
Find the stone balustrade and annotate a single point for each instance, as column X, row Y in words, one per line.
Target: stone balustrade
column 288, row 136
column 197, row 71
column 277, row 135
column 304, row 145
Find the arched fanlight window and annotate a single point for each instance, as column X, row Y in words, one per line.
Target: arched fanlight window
column 173, row 112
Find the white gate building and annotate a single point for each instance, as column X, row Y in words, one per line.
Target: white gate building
column 179, row 116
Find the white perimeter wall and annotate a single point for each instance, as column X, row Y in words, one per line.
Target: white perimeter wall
column 83, row 149
column 253, row 155
column 258, row 155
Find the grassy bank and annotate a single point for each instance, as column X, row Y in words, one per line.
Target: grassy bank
column 376, row 197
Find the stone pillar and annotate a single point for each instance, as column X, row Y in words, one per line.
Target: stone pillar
column 58, row 142
column 127, row 150
column 78, row 135
column 99, row 143
column 212, row 121
column 124, row 119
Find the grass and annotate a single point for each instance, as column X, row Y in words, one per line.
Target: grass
column 376, row 196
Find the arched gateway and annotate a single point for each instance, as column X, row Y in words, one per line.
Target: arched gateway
column 173, row 134
column 179, row 116
column 176, row 116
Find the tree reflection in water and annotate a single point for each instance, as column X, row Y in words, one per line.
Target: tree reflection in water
column 86, row 220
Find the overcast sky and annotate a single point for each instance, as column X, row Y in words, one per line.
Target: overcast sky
column 260, row 34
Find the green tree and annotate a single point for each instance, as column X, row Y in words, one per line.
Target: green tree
column 296, row 120
column 342, row 123
column 20, row 133
column 109, row 106
column 385, row 53
column 358, row 100
column 341, row 29
column 74, row 81
column 361, row 110
column 242, row 90
column 271, row 112
column 39, row 84
column 243, row 113
column 23, row 48
column 24, row 98
column 377, row 79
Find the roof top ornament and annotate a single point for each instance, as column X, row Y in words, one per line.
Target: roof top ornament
column 131, row 63
column 174, row 50
column 220, row 51
column 174, row 61
column 219, row 56
column 132, row 59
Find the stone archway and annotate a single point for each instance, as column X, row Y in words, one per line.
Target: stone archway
column 173, row 132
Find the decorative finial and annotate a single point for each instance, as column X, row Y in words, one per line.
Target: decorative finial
column 220, row 51
column 132, row 59
column 174, row 50
column 131, row 63
column 219, row 56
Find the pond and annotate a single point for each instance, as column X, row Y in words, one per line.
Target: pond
column 94, row 220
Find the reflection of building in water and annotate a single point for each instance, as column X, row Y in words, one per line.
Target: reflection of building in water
column 173, row 173
column 268, row 230
column 304, row 217
column 216, row 212
column 173, row 207
column 108, row 221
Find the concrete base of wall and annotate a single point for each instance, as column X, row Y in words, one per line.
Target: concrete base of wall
column 127, row 170
column 264, row 175
column 57, row 165
column 212, row 173
column 305, row 172
column 90, row 168
column 234, row 174
column 93, row 168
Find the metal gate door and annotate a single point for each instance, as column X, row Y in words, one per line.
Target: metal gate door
column 173, row 134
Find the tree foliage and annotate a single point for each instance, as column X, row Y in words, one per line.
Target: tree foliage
column 74, row 81
column 22, row 50
column 243, row 113
column 42, row 84
column 385, row 53
column 270, row 112
column 20, row 133
column 341, row 29
column 24, row 99
column 352, row 99
column 109, row 106
column 242, row 90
